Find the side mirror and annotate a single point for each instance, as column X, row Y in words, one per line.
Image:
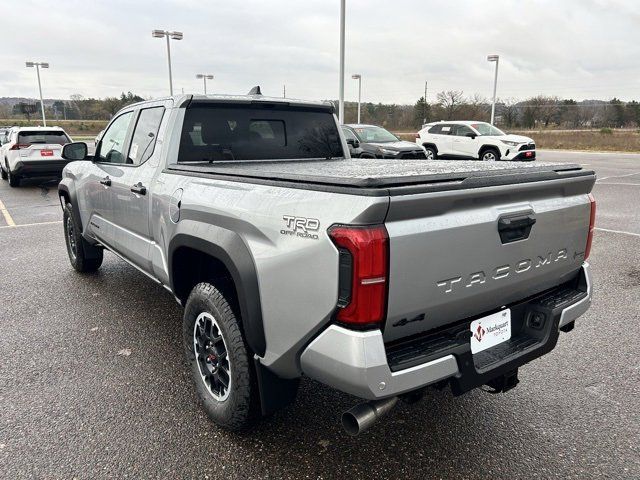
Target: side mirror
column 471, row 135
column 353, row 142
column 75, row 151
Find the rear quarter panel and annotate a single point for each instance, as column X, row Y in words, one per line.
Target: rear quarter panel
column 297, row 271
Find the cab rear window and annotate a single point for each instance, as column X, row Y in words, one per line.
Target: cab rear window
column 43, row 136
column 257, row 132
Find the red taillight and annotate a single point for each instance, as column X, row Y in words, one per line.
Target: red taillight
column 368, row 248
column 417, row 135
column 19, row 146
column 592, row 226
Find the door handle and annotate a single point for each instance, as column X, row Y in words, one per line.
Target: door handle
column 139, row 189
column 106, row 181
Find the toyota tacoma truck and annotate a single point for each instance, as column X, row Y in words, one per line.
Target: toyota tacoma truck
column 376, row 277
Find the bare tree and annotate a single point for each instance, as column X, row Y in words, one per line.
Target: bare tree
column 476, row 108
column 508, row 109
column 450, row 101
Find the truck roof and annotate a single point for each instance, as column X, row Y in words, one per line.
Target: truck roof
column 187, row 99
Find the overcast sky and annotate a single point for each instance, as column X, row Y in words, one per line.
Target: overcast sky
column 571, row 48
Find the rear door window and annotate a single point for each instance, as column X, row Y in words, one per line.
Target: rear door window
column 43, row 137
column 144, row 135
column 461, row 130
column 222, row 132
column 445, row 129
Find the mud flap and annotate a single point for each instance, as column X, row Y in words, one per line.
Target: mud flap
column 275, row 392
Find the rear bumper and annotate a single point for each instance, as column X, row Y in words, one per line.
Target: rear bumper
column 39, row 168
column 359, row 363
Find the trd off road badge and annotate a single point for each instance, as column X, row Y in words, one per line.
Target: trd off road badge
column 300, row 227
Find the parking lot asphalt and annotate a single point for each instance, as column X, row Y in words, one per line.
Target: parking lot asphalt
column 92, row 382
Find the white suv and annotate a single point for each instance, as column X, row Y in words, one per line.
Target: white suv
column 475, row 140
column 32, row 152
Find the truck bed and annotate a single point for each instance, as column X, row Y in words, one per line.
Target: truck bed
column 382, row 176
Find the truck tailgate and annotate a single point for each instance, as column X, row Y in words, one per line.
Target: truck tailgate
column 460, row 253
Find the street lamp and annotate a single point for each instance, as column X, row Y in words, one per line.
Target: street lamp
column 38, row 65
column 204, row 78
column 494, row 58
column 341, row 83
column 358, row 77
column 167, row 35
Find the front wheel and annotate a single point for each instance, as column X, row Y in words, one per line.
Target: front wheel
column 83, row 256
column 219, row 359
column 490, row 155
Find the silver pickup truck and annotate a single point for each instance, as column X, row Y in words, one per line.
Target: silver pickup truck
column 377, row 277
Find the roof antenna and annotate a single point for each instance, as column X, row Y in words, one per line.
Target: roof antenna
column 255, row 91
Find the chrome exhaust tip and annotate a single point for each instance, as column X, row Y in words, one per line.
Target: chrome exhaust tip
column 361, row 417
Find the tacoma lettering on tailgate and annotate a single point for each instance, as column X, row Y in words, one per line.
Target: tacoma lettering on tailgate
column 503, row 271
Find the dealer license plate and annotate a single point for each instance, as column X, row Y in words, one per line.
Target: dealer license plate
column 490, row 331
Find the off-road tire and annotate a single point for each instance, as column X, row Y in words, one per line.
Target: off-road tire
column 83, row 256
column 240, row 408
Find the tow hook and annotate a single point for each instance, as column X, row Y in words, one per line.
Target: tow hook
column 504, row 383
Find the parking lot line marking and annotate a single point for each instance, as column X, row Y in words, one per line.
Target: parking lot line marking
column 6, row 215
column 618, row 231
column 627, row 184
column 30, row 224
column 617, row 176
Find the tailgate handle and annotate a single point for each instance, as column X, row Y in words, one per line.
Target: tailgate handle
column 512, row 229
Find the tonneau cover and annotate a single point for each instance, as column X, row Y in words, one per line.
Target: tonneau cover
column 363, row 173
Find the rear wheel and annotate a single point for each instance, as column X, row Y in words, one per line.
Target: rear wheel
column 490, row 155
column 3, row 173
column 431, row 153
column 219, row 359
column 14, row 180
column 83, row 256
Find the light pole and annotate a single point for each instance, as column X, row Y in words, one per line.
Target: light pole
column 38, row 65
column 204, row 78
column 494, row 58
column 174, row 36
column 358, row 77
column 341, row 87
